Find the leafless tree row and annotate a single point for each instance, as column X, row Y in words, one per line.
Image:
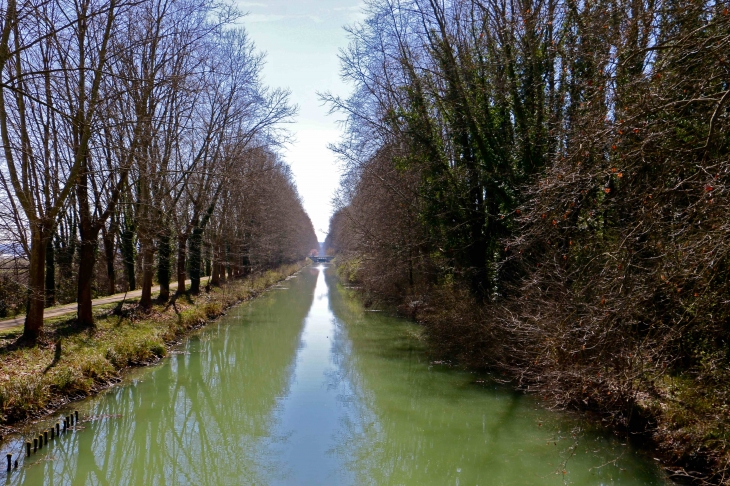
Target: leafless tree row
column 126, row 125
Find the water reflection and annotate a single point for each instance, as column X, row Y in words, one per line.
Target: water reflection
column 416, row 424
column 205, row 416
column 302, row 387
column 311, row 414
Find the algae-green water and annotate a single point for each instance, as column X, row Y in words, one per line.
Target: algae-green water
column 305, row 387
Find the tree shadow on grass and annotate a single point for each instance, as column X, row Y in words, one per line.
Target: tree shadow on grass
column 14, row 340
column 56, row 357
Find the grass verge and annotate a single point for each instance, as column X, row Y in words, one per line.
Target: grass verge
column 71, row 363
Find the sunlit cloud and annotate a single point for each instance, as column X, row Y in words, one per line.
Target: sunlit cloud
column 353, row 12
column 277, row 18
column 265, row 18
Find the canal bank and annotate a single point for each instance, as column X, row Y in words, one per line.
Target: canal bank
column 71, row 363
column 678, row 413
column 305, row 386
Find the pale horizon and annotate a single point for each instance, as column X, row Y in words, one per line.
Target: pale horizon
column 301, row 41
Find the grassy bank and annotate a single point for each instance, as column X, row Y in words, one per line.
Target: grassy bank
column 71, row 363
column 678, row 411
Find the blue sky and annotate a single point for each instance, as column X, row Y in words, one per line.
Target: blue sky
column 301, row 39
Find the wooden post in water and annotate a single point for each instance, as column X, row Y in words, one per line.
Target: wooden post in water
column 27, row 448
column 58, row 429
column 53, row 433
column 35, row 445
column 45, row 437
column 10, row 462
column 76, row 415
column 40, row 441
column 16, row 464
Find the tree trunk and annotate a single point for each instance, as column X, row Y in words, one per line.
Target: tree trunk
column 246, row 263
column 215, row 278
column 163, row 265
column 50, row 274
column 36, row 286
column 87, row 257
column 148, row 264
column 109, row 251
column 65, row 250
column 127, row 247
column 182, row 241
column 195, row 260
column 208, row 270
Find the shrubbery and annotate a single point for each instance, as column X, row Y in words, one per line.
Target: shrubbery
column 544, row 184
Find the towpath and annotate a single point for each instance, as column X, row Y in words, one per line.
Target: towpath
column 62, row 310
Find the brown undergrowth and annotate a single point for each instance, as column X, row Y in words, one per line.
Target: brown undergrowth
column 71, row 363
column 681, row 414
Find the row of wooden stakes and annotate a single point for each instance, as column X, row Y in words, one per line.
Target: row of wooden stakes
column 43, row 438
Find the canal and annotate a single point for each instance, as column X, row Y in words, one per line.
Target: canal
column 304, row 387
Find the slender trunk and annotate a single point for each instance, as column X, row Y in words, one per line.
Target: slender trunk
column 246, row 261
column 127, row 247
column 65, row 250
column 87, row 257
column 208, row 270
column 163, row 265
column 410, row 269
column 182, row 241
column 109, row 252
column 223, row 264
column 215, row 278
column 50, row 274
column 148, row 264
column 228, row 269
column 195, row 260
column 36, row 286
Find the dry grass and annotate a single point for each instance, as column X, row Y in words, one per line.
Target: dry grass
column 71, row 363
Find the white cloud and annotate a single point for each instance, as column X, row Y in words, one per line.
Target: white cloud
column 353, row 12
column 277, row 18
column 264, row 18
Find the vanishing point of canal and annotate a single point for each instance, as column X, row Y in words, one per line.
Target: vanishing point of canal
column 304, row 387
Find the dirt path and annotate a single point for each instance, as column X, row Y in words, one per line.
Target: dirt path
column 62, row 310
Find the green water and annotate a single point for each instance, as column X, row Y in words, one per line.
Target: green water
column 303, row 387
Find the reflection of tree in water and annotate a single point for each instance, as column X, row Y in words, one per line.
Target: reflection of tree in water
column 203, row 417
column 407, row 425
column 207, row 416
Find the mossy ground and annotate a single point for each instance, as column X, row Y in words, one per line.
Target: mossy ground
column 71, row 362
column 692, row 416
